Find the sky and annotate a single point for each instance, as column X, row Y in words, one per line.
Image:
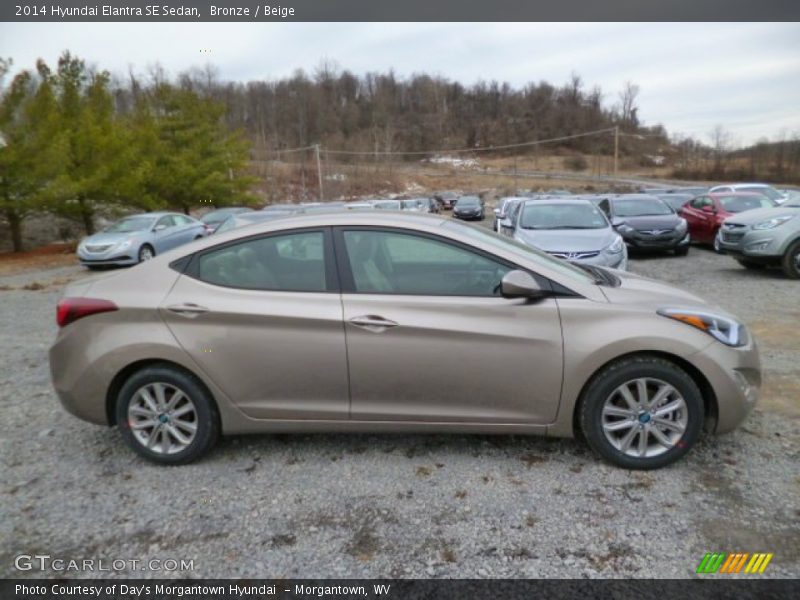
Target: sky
column 692, row 76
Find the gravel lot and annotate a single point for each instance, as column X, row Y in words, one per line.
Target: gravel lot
column 409, row 505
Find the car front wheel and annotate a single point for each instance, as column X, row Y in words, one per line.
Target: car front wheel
column 641, row 413
column 146, row 252
column 791, row 261
column 166, row 415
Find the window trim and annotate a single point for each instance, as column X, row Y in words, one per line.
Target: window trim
column 328, row 256
column 347, row 281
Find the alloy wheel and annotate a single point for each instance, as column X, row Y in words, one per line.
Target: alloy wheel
column 644, row 417
column 145, row 253
column 162, row 418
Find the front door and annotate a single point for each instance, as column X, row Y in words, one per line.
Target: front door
column 430, row 339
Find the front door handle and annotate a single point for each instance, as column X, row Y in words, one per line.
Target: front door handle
column 373, row 323
column 187, row 309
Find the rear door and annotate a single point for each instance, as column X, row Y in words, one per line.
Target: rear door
column 429, row 338
column 263, row 319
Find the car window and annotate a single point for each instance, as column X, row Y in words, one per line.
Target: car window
column 183, row 220
column 289, row 262
column 701, row 201
column 384, row 262
column 166, row 221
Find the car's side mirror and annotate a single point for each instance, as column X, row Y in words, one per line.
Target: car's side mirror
column 616, row 221
column 160, row 227
column 520, row 284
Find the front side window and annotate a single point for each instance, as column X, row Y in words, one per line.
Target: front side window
column 384, row 262
column 289, row 262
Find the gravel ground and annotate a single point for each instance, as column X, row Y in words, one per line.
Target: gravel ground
column 402, row 505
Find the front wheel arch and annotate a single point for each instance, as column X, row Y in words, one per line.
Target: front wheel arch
column 710, row 405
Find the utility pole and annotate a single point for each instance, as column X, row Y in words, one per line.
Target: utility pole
column 516, row 185
column 616, row 149
column 319, row 171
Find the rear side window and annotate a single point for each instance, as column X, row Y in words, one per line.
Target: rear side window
column 182, row 220
column 291, row 262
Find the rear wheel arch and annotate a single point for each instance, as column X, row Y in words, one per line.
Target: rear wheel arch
column 127, row 372
column 710, row 405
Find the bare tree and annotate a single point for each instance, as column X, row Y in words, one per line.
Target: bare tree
column 628, row 108
column 720, row 145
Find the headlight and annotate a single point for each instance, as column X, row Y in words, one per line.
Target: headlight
column 123, row 245
column 724, row 329
column 616, row 246
column 773, row 223
column 624, row 228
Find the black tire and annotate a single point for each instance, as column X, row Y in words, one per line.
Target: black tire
column 682, row 251
column 790, row 263
column 207, row 416
column 749, row 264
column 143, row 249
column 94, row 267
column 603, row 385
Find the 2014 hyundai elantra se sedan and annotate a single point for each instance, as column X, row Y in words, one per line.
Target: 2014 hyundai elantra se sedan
column 392, row 322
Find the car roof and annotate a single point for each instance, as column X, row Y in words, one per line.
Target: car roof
column 734, row 193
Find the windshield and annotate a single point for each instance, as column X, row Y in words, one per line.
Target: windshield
column 767, row 191
column 131, row 224
column 640, row 207
column 538, row 215
column 387, row 205
column 521, row 250
column 468, row 201
column 735, row 204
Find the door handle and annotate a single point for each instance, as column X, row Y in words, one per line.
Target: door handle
column 187, row 309
column 373, row 323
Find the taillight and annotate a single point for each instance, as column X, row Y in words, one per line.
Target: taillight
column 72, row 309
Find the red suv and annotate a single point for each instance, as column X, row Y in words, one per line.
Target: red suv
column 704, row 214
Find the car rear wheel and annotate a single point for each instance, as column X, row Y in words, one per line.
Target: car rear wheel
column 791, row 261
column 146, row 252
column 167, row 416
column 641, row 413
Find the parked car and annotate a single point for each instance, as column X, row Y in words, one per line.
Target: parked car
column 139, row 238
column 386, row 204
column 447, row 199
column 508, row 221
column 220, row 338
column 469, row 208
column 412, row 204
column 427, row 205
column 574, row 230
column 765, row 236
column 645, row 222
column 674, row 200
column 242, row 219
column 760, row 188
column 215, row 218
column 499, row 210
column 705, row 214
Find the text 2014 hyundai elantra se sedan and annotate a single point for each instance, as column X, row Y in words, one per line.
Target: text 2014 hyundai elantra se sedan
column 389, row 322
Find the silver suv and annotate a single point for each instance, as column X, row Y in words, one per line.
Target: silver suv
column 765, row 236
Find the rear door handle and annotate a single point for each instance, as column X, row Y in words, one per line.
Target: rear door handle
column 187, row 309
column 373, row 323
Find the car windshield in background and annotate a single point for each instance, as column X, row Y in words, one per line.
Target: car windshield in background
column 640, row 207
column 468, row 201
column 675, row 201
column 769, row 192
column 735, row 204
column 411, row 203
column 518, row 248
column 131, row 224
column 387, row 204
column 538, row 215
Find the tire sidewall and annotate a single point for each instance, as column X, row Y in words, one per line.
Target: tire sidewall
column 141, row 249
column 789, row 267
column 614, row 376
column 207, row 417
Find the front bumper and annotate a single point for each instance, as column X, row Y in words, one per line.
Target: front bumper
column 665, row 241
column 468, row 216
column 109, row 257
column 761, row 246
column 735, row 377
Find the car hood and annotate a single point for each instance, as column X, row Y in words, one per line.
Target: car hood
column 103, row 238
column 652, row 221
column 643, row 292
column 567, row 240
column 751, row 217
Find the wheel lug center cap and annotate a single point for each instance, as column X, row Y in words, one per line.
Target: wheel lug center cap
column 644, row 418
column 163, row 418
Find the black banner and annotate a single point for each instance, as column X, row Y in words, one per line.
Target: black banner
column 392, row 10
column 467, row 589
